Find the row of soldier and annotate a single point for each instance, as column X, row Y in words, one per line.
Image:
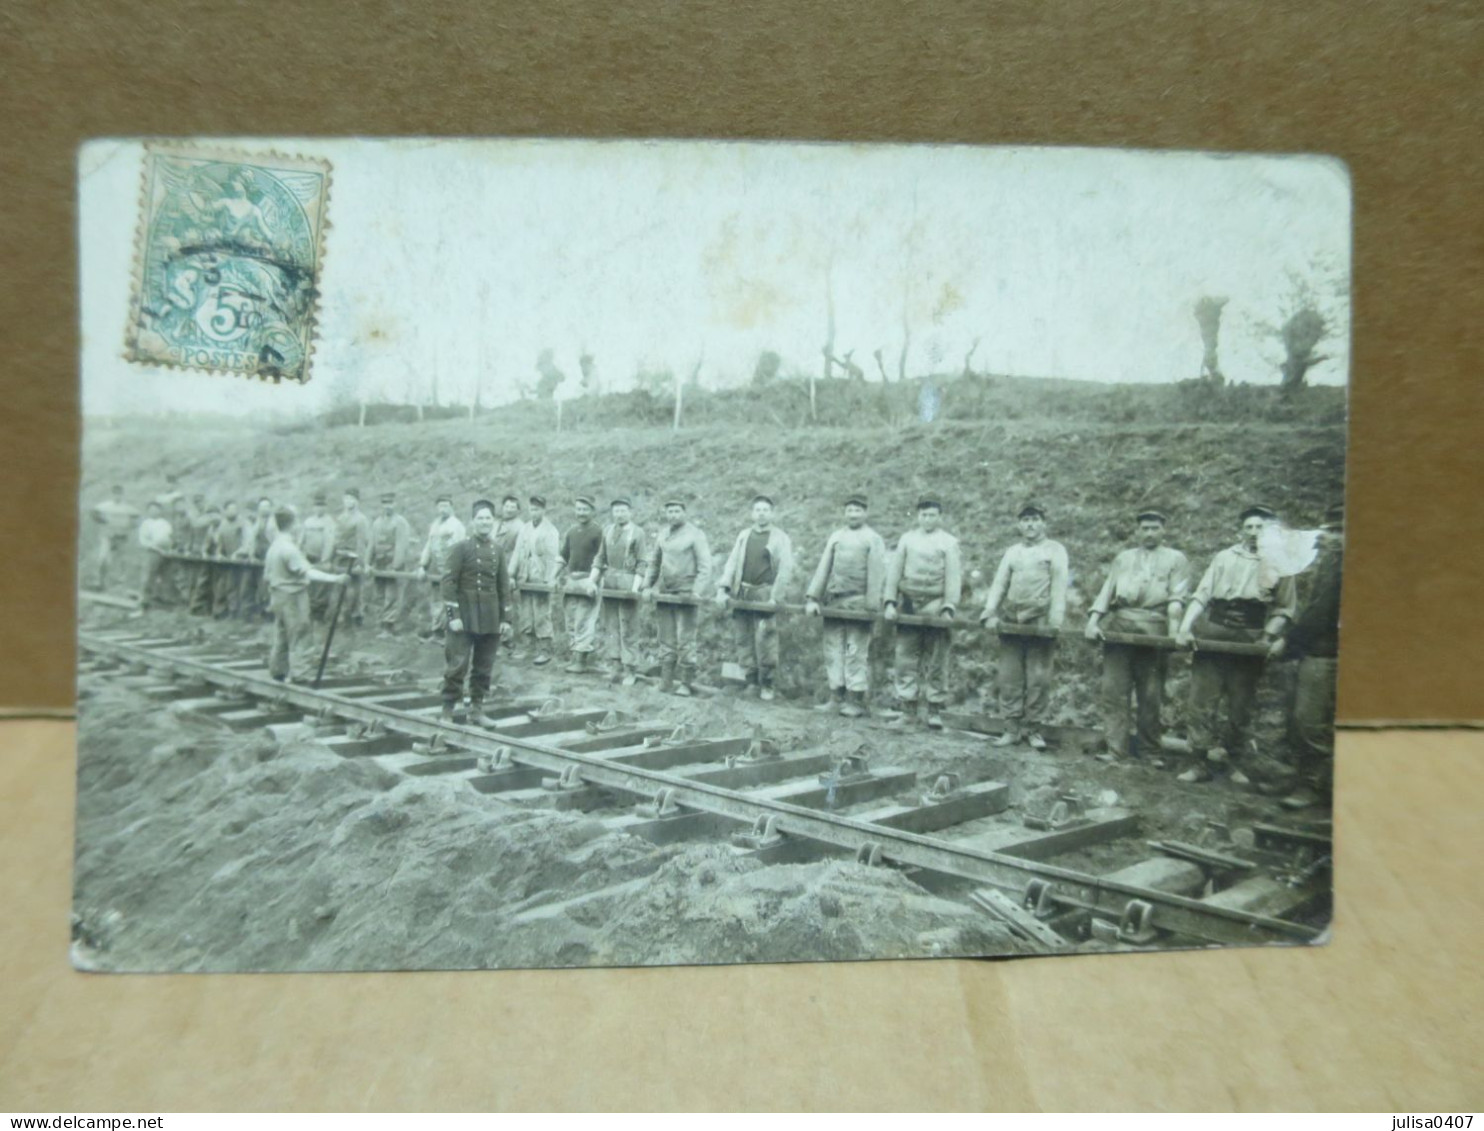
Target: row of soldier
column 1149, row 591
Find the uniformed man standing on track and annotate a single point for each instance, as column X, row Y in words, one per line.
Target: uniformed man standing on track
column 476, row 594
column 851, row 575
column 924, row 577
column 1241, row 599
column 317, row 540
column 391, row 551
column 622, row 562
column 116, row 520
column 444, row 533
column 230, row 541
column 288, row 574
column 1144, row 595
column 758, row 569
column 537, row 560
column 154, row 540
column 577, row 573
column 353, row 536
column 679, row 566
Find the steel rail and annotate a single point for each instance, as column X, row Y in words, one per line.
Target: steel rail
column 1173, row 913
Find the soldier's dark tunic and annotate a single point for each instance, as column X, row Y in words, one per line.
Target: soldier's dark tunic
column 475, row 589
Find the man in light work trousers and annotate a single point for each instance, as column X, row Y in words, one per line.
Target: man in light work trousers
column 1029, row 589
column 444, row 533
column 758, row 569
column 622, row 561
column 679, row 566
column 577, row 573
column 924, row 577
column 1241, row 599
column 475, row 594
column 155, row 540
column 287, row 573
column 391, row 551
column 851, row 575
column 353, row 536
column 537, row 561
column 317, row 540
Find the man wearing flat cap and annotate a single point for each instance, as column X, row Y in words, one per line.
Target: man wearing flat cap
column 444, row 533
column 391, row 552
column 680, row 566
column 1244, row 599
column 577, row 573
column 1144, row 594
column 851, row 575
column 622, row 561
column 352, row 537
column 1029, row 590
column 924, row 577
column 476, row 592
column 536, row 562
column 758, row 569
column 317, row 542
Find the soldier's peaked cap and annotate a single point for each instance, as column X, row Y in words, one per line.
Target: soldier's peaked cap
column 1151, row 516
column 1031, row 510
column 675, row 503
column 1257, row 510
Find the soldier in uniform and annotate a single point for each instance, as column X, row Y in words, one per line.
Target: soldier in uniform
column 116, row 519
column 622, row 562
column 580, row 579
column 1242, row 599
column 924, row 577
column 1143, row 595
column 759, row 569
column 353, row 536
column 317, row 540
column 444, row 533
column 1029, row 588
column 288, row 573
column 679, row 565
column 391, row 550
column 536, row 560
column 475, row 594
column 851, row 575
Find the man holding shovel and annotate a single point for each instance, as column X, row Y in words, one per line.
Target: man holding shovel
column 287, row 574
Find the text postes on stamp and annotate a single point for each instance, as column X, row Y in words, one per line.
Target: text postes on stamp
column 226, row 270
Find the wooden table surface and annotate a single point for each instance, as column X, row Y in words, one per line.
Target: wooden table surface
column 1385, row 1018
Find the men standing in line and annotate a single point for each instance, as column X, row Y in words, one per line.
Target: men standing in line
column 444, row 533
column 317, row 540
column 1315, row 640
column 353, row 536
column 1029, row 589
column 759, row 569
column 1144, row 595
column 230, row 541
column 851, row 575
column 391, row 549
column 924, row 577
column 580, row 579
column 116, row 519
column 679, row 566
column 622, row 561
column 536, row 561
column 154, row 540
column 288, row 574
column 475, row 590
column 1242, row 599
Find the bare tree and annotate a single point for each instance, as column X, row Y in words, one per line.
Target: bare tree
column 1313, row 311
column 853, row 371
column 880, row 365
column 969, row 359
column 550, row 375
column 1302, row 332
column 1208, row 316
column 693, row 382
column 589, row 370
column 765, row 372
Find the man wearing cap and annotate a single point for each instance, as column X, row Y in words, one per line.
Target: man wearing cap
column 444, row 533
column 579, row 577
column 758, row 569
column 229, row 542
column 476, row 592
column 1029, row 589
column 622, row 560
column 1315, row 640
column 317, row 541
column 851, row 575
column 391, row 552
column 924, row 577
column 679, row 566
column 352, row 549
column 536, row 561
column 1243, row 599
column 288, row 574
column 115, row 519
column 1143, row 595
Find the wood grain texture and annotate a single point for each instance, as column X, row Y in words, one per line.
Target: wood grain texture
column 1384, row 1018
column 1390, row 87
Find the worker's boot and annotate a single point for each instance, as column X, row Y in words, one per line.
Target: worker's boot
column 853, row 706
column 685, row 676
column 906, row 715
column 477, row 717
column 836, row 701
column 578, row 666
column 446, row 715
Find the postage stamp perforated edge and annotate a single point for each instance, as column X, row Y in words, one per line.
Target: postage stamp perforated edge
column 184, row 147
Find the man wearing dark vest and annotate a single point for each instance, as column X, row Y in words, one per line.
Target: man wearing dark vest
column 578, row 575
column 758, row 570
column 622, row 561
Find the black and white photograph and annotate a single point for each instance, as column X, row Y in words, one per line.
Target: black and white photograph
column 514, row 553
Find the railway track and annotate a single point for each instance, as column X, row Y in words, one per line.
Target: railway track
column 647, row 777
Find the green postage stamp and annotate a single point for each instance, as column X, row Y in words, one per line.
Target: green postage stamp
column 226, row 268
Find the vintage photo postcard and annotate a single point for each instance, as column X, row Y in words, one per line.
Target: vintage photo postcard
column 524, row 553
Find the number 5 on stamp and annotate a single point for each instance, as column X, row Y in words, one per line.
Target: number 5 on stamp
column 227, row 263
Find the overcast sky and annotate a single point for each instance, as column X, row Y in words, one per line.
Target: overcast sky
column 457, row 258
